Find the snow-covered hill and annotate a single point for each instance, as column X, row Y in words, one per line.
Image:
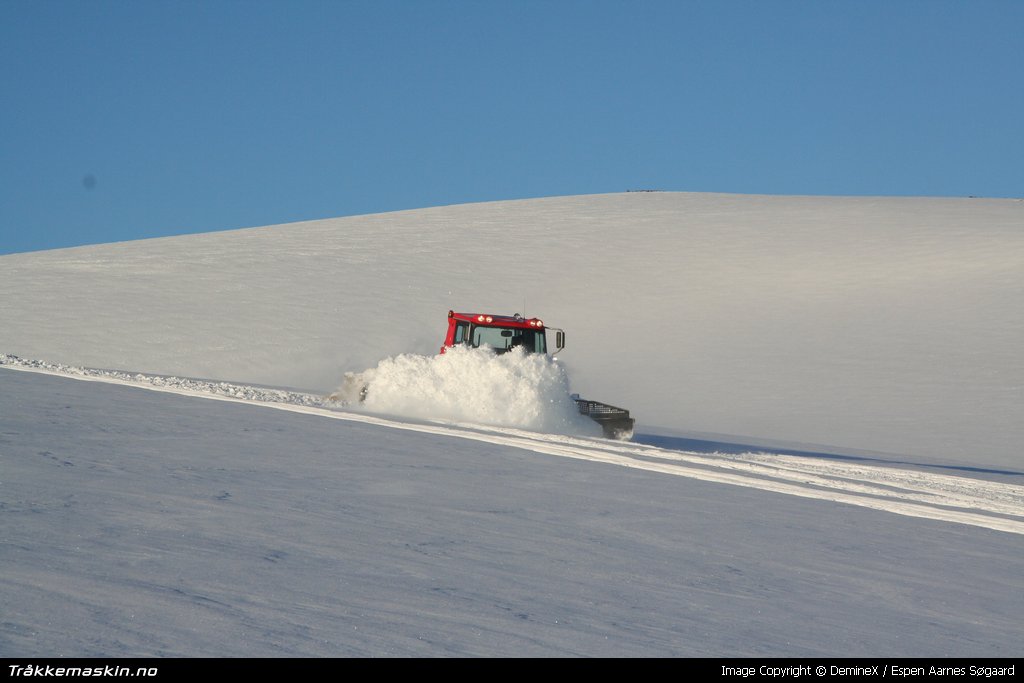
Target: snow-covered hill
column 828, row 394
column 881, row 324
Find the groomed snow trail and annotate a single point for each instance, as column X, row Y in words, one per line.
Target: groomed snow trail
column 958, row 499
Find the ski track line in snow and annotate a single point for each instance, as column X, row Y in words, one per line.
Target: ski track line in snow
column 992, row 505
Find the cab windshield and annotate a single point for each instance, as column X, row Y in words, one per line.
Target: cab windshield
column 503, row 339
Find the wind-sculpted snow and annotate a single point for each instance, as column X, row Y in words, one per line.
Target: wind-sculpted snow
column 516, row 389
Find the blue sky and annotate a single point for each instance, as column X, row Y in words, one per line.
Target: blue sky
column 126, row 120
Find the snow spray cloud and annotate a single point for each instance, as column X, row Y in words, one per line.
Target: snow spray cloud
column 515, row 389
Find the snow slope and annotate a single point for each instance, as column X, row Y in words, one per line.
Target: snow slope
column 912, row 492
column 882, row 324
column 143, row 523
column 829, row 403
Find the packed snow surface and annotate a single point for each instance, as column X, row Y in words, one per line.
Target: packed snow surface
column 994, row 505
column 138, row 522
